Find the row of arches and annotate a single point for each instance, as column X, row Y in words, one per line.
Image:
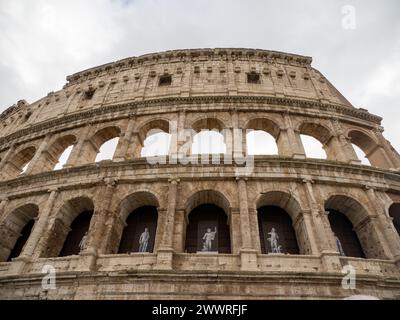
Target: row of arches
column 207, row 226
column 264, row 137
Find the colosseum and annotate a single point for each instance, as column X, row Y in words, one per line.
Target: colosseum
column 182, row 223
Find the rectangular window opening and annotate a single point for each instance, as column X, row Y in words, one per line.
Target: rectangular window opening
column 253, row 77
column 165, row 80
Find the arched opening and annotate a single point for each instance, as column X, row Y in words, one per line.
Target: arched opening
column 136, row 230
column 18, row 163
column 15, row 231
column 208, row 229
column 75, row 241
column 261, row 143
column 354, row 233
column 262, row 137
column 208, row 142
column 23, row 238
column 312, row 147
column 276, row 211
column 140, row 231
column 155, row 139
column 156, row 144
column 316, row 140
column 70, row 229
column 361, row 155
column 58, row 153
column 102, row 144
column 107, row 150
column 276, row 231
column 368, row 149
column 394, row 212
column 63, row 158
column 345, row 237
column 209, row 138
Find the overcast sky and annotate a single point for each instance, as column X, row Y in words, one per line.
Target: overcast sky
column 42, row 41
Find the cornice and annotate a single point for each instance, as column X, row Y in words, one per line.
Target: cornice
column 104, row 170
column 187, row 55
column 135, row 105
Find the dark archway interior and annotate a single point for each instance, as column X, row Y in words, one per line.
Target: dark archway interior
column 343, row 229
column 78, row 229
column 137, row 221
column 19, row 245
column 201, row 218
column 394, row 212
column 275, row 217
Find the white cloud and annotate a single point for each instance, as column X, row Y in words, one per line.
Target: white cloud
column 42, row 41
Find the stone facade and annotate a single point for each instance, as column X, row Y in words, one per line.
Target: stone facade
column 209, row 88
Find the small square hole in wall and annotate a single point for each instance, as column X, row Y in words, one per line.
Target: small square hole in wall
column 253, row 77
column 165, row 80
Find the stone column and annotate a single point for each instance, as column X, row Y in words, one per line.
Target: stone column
column 388, row 149
column 36, row 164
column 322, row 241
column 135, row 146
column 308, row 216
column 390, row 239
column 296, row 146
column 248, row 254
column 235, row 231
column 165, row 251
column 334, row 150
column 344, row 148
column 32, row 246
column 3, row 204
column 180, row 230
column 97, row 229
column 238, row 147
column 178, row 138
column 232, row 87
column 44, row 225
column 7, row 156
column 121, row 152
column 76, row 157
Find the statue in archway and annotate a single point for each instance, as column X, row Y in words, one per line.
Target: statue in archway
column 144, row 240
column 208, row 237
column 82, row 243
column 339, row 245
column 273, row 239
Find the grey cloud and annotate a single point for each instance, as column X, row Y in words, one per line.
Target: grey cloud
column 36, row 52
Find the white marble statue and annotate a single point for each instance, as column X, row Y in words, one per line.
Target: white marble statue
column 273, row 239
column 208, row 237
column 144, row 240
column 82, row 243
column 339, row 245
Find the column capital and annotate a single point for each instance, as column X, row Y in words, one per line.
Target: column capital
column 308, row 180
column 174, row 180
column 53, row 189
column 110, row 182
column 239, row 178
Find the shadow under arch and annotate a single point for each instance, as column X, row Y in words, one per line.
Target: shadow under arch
column 207, row 223
column 356, row 233
column 71, row 223
column 20, row 160
column 136, row 229
column 15, row 230
column 277, row 214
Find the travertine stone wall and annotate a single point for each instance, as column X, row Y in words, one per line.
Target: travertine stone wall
column 208, row 90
